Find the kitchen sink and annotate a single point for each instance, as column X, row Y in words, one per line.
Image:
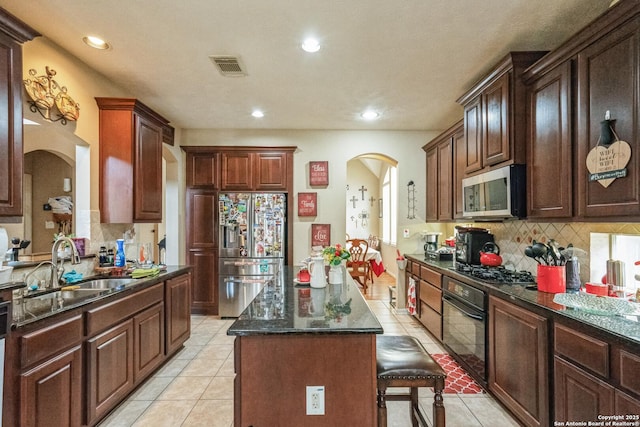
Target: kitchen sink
column 70, row 295
column 111, row 283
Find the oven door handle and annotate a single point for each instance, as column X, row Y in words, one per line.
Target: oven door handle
column 461, row 308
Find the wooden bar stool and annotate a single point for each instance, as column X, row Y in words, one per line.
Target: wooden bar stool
column 403, row 362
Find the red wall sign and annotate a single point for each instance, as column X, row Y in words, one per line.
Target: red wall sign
column 320, row 234
column 318, row 173
column 307, row 204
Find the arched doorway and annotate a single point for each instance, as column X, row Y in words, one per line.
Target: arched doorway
column 371, row 207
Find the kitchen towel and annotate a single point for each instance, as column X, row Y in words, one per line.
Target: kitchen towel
column 72, row 276
column 411, row 296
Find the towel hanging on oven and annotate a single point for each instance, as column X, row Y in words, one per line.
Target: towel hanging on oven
column 411, row 296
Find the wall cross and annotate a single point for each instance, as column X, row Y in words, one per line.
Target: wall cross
column 371, row 200
column 362, row 190
column 353, row 200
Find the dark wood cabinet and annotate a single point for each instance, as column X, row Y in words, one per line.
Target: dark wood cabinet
column 148, row 344
column 473, row 135
column 495, row 135
column 440, row 183
column 13, row 33
column 110, row 369
column 549, row 145
column 254, row 171
column 428, row 296
column 593, row 376
column 519, row 361
column 52, row 392
column 203, row 170
column 431, row 200
column 49, row 365
column 177, row 300
column 74, row 368
column 608, row 76
column 131, row 137
column 202, row 252
column 578, row 395
column 570, row 91
column 459, row 162
column 495, row 113
column 237, row 171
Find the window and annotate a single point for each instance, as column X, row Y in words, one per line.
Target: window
column 389, row 206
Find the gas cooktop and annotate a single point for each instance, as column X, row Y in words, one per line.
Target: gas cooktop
column 496, row 275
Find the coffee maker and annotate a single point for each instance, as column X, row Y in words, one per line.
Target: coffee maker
column 431, row 244
column 469, row 242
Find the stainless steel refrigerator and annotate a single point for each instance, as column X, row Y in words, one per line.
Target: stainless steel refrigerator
column 251, row 249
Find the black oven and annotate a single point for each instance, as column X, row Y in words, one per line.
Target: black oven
column 464, row 326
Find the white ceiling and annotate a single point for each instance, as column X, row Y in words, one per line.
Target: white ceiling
column 410, row 59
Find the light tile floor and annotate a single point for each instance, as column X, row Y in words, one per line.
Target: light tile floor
column 195, row 388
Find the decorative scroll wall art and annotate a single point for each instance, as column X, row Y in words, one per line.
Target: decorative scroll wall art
column 46, row 93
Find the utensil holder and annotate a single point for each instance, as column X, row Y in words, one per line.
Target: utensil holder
column 552, row 279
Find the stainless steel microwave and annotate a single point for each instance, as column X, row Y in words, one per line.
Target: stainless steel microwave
column 497, row 194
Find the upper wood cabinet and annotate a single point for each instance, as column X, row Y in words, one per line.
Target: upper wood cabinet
column 608, row 76
column 441, row 176
column 570, row 90
column 494, row 114
column 131, row 137
column 260, row 171
column 13, row 32
column 203, row 169
column 549, row 145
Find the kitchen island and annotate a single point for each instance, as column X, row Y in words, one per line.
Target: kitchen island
column 291, row 337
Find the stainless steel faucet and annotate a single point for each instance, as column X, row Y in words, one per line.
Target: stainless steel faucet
column 75, row 257
column 52, row 278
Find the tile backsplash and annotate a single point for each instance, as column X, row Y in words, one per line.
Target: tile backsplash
column 514, row 236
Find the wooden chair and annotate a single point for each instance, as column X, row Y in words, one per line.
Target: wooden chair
column 357, row 266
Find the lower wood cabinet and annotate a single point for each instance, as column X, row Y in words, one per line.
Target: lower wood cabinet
column 110, row 369
column 53, row 392
column 519, row 361
column 580, row 396
column 73, row 371
column 428, row 296
column 593, row 377
column 177, row 300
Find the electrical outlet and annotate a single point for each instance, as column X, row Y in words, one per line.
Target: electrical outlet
column 49, row 225
column 405, row 233
column 315, row 400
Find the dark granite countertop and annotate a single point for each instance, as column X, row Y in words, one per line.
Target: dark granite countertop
column 625, row 329
column 30, row 310
column 283, row 307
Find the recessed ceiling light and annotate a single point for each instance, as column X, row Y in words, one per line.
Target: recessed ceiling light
column 370, row 115
column 311, row 45
column 257, row 114
column 96, row 42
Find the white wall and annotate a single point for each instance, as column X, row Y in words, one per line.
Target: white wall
column 359, row 175
column 336, row 147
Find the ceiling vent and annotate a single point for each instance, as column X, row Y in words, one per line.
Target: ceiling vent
column 229, row 66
